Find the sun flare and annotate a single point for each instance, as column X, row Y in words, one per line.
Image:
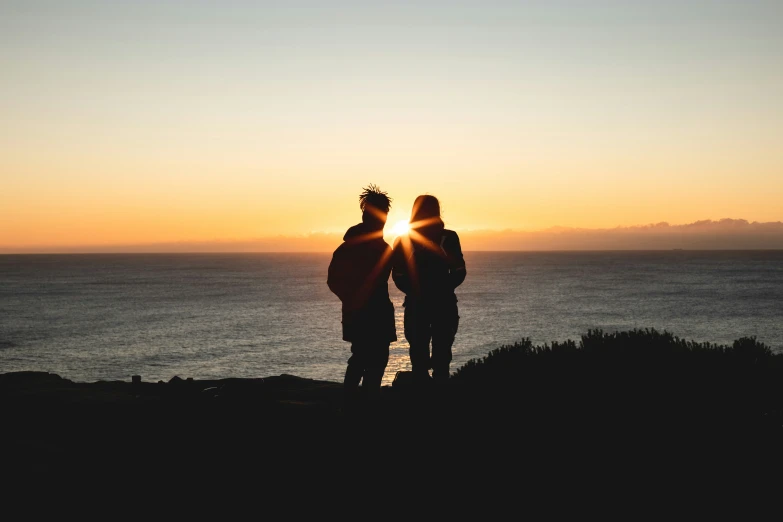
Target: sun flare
column 401, row 228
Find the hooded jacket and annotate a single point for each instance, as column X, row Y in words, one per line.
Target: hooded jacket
column 358, row 275
column 428, row 265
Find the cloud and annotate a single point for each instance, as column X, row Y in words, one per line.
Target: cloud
column 728, row 234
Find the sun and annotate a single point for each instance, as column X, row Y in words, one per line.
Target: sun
column 401, row 228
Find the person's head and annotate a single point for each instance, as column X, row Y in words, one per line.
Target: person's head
column 425, row 217
column 425, row 208
column 375, row 205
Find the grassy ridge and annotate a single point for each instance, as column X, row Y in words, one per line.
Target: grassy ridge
column 635, row 375
column 622, row 408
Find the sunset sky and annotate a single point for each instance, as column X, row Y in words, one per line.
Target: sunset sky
column 161, row 121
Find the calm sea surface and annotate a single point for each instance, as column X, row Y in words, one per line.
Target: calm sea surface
column 107, row 317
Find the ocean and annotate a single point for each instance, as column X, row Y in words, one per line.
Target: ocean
column 110, row 316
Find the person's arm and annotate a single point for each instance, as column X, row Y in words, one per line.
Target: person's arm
column 339, row 278
column 457, row 271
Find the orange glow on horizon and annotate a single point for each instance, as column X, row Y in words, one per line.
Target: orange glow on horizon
column 267, row 123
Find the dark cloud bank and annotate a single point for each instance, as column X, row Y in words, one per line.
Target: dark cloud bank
column 731, row 234
column 724, row 234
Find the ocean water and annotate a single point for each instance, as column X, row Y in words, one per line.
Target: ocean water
column 108, row 317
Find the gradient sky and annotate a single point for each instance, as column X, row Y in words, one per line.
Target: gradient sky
column 154, row 121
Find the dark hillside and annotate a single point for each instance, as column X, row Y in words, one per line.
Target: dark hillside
column 630, row 406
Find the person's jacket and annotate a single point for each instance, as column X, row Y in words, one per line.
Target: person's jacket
column 359, row 275
column 428, row 264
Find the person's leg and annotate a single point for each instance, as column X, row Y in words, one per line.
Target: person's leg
column 417, row 333
column 353, row 375
column 377, row 360
column 444, row 330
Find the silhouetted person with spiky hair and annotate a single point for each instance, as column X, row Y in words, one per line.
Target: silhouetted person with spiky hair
column 428, row 267
column 358, row 275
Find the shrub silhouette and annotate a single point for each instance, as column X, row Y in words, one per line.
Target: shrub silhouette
column 643, row 377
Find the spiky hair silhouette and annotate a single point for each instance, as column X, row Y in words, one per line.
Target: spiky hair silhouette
column 375, row 197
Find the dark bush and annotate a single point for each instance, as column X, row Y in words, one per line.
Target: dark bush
column 642, row 377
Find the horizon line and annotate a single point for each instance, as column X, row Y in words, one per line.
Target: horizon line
column 730, row 234
column 488, row 251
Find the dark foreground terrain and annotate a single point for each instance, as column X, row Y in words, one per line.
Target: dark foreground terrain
column 594, row 416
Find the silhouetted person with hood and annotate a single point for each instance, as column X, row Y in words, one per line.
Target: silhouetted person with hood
column 358, row 275
column 428, row 267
